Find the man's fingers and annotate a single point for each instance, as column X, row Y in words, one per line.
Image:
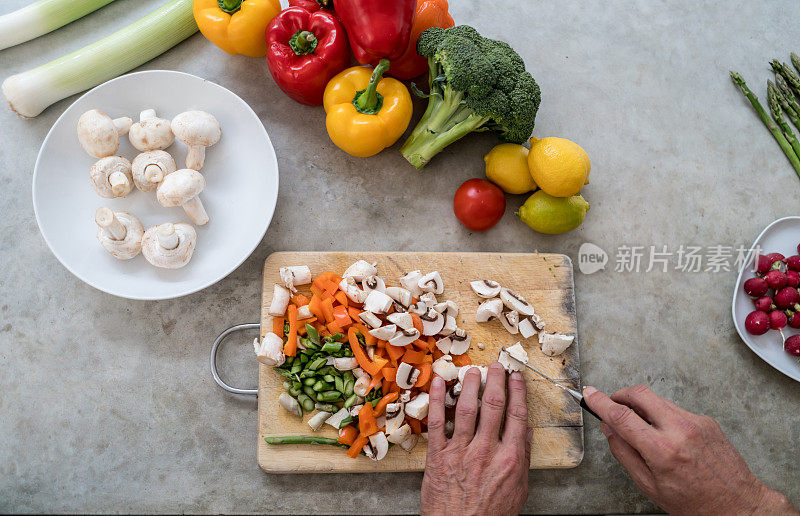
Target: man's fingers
column 648, row 404
column 436, row 437
column 517, row 412
column 622, row 420
column 493, row 403
column 467, row 408
column 630, row 459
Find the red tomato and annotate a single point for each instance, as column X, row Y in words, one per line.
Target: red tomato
column 479, row 204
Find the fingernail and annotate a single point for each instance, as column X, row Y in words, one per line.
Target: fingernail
column 529, row 434
column 516, row 376
column 606, row 429
column 589, row 390
column 438, row 381
column 496, row 365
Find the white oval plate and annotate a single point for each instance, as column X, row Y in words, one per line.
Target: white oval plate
column 782, row 236
column 241, row 172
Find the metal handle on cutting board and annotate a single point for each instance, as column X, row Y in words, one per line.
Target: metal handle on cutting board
column 215, row 348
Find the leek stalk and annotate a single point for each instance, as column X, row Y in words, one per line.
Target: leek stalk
column 29, row 93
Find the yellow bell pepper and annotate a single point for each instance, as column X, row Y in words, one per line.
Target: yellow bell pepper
column 236, row 26
column 366, row 114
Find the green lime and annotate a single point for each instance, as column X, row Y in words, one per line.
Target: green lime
column 553, row 215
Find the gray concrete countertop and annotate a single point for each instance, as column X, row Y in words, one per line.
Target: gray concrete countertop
column 108, row 404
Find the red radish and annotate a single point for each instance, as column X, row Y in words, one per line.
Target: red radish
column 794, row 319
column 775, row 257
column 776, row 279
column 763, row 264
column 764, row 304
column 798, row 248
column 757, row 323
column 793, row 263
column 756, row 287
column 777, row 320
column 792, row 345
column 787, row 297
column 793, row 278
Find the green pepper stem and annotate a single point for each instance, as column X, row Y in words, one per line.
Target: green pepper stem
column 303, row 42
column 369, row 101
column 229, row 6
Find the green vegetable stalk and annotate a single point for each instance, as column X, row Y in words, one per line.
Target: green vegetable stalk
column 788, row 103
column 786, row 73
column 304, row 439
column 777, row 114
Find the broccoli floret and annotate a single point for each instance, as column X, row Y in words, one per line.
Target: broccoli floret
column 475, row 83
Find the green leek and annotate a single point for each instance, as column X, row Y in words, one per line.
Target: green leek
column 42, row 17
column 29, row 93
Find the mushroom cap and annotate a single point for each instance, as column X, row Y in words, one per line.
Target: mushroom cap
column 129, row 246
column 169, row 258
column 179, row 187
column 97, row 134
column 104, row 167
column 160, row 158
column 151, row 134
column 196, row 128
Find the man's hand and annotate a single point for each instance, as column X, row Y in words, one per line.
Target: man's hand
column 478, row 470
column 680, row 460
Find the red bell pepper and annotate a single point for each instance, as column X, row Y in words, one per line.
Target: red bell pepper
column 430, row 13
column 377, row 29
column 312, row 6
column 304, row 51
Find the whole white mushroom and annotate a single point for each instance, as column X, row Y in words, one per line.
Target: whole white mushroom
column 119, row 232
column 182, row 188
column 151, row 132
column 99, row 134
column 111, row 177
column 169, row 246
column 198, row 130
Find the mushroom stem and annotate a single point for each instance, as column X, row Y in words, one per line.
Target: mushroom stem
column 194, row 208
column 196, row 157
column 108, row 222
column 123, row 125
column 167, row 237
column 147, row 114
column 119, row 183
column 153, row 173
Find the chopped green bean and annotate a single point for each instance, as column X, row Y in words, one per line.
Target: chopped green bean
column 310, row 392
column 284, row 373
column 329, row 396
column 287, row 385
column 350, row 401
column 295, row 391
column 316, row 363
column 322, row 386
column 347, row 352
column 304, row 439
column 327, row 407
column 336, row 337
column 306, row 402
column 312, row 333
column 330, row 378
column 349, row 385
column 309, row 381
column 339, row 384
column 346, row 421
column 331, row 347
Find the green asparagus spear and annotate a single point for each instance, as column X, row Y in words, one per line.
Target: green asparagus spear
column 777, row 114
column 786, row 104
column 787, row 73
column 773, row 128
column 796, row 61
column 304, row 439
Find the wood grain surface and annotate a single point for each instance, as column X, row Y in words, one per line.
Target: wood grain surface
column 545, row 280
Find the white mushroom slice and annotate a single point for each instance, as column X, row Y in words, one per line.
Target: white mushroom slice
column 198, row 130
column 295, row 275
column 379, row 444
column 510, row 321
column 318, row 419
column 290, row 404
column 555, row 343
column 429, row 298
column 169, row 246
column 407, row 375
column 150, row 132
column 370, row 319
column 111, row 177
column 360, row 270
column 481, row 346
column 402, row 320
column 447, row 308
column 410, row 282
column 405, row 396
column 336, row 419
column 526, row 328
column 351, row 290
column 491, row 309
column 449, row 326
column 517, row 352
column 368, row 451
column 384, row 332
column 451, row 397
column 280, row 300
column 432, row 322
column 361, row 386
column 486, row 289
column 418, row 406
column 399, row 295
column 270, row 350
column 99, row 134
column 516, row 302
column 304, row 312
column 444, row 345
column 373, row 282
column 410, row 442
column 418, row 308
column 355, row 409
column 460, row 342
column 399, row 434
column 538, row 323
column 150, row 168
column 445, row 368
column 395, row 415
column 404, row 337
column 345, row 363
column 182, row 188
column 431, row 282
column 358, row 372
column 398, row 308
column 377, row 302
column 120, row 233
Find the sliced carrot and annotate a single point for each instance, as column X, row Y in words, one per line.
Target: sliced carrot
column 385, row 385
column 319, row 292
column 342, row 298
column 462, row 360
column 315, row 307
column 415, row 424
column 277, row 326
column 376, row 381
column 394, row 388
column 431, row 344
column 327, row 309
column 412, row 356
column 417, row 322
column 424, row 374
column 358, row 445
column 381, row 406
column 340, row 316
column 299, row 299
column 354, row 313
column 437, row 354
column 348, row 435
column 393, row 362
column 380, row 351
column 395, row 352
column 428, row 359
column 382, row 345
column 334, row 328
column 367, row 425
column 369, row 339
column 373, row 368
column 420, row 345
column 331, row 288
column 290, row 348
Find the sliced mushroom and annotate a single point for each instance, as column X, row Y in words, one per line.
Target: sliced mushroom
column 120, row 233
column 198, row 130
column 486, row 289
column 360, row 270
column 493, row 308
column 395, row 415
column 150, row 168
column 351, row 290
column 379, row 445
column 460, row 342
column 418, row 406
column 290, row 404
column 169, row 246
column 447, row 308
column 399, row 295
column 444, row 344
column 182, row 188
column 358, row 372
column 295, row 275
column 399, row 434
column 449, row 326
column 429, row 298
column 270, row 350
column 399, row 308
column 526, row 328
column 516, row 302
column 555, row 343
column 280, row 300
column 111, row 177
column 361, row 386
column 377, row 302
column 451, row 397
column 410, row 442
column 510, row 321
column 537, row 322
column 407, row 375
column 516, row 352
column 431, row 282
column 151, row 132
column 404, row 337
column 410, row 282
column 370, row 319
column 384, row 332
column 405, row 396
column 373, row 282
column 402, row 320
column 345, row 363
column 99, row 134
column 418, row 308
column 432, row 322
column 367, row 449
column 445, row 368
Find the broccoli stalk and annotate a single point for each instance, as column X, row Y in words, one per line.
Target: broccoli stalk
column 475, row 84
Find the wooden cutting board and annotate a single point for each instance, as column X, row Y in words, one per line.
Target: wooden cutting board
column 545, row 280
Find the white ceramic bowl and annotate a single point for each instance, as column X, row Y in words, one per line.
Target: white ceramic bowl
column 782, row 236
column 241, row 172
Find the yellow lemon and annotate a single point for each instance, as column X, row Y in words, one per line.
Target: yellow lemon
column 560, row 167
column 507, row 167
column 553, row 215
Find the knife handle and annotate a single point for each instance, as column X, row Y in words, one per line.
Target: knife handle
column 587, row 409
